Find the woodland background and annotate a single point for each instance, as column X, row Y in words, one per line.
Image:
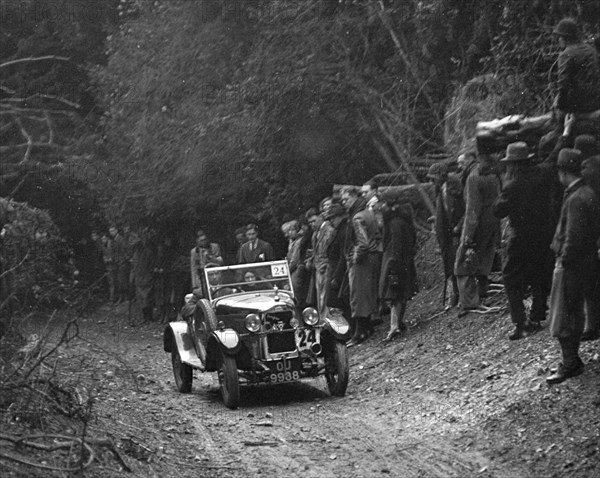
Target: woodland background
column 177, row 114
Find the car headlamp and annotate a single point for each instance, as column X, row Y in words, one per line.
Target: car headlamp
column 252, row 322
column 310, row 316
column 295, row 323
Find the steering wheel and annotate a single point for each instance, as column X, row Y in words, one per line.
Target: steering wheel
column 215, row 289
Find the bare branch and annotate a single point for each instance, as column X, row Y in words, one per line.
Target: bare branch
column 29, row 139
column 44, row 96
column 32, row 59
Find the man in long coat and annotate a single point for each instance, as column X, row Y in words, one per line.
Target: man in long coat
column 590, row 170
column 362, row 261
column 479, row 237
column 525, row 201
column 322, row 238
column 575, row 246
column 449, row 210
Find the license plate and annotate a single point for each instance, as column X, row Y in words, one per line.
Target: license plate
column 306, row 338
column 284, row 371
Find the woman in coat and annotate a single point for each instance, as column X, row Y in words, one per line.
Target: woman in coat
column 398, row 280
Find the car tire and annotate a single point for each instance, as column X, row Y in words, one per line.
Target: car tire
column 229, row 381
column 336, row 368
column 209, row 325
column 183, row 372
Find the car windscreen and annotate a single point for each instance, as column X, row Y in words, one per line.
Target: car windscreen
column 248, row 278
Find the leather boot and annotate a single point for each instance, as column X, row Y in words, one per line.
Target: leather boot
column 571, row 365
column 361, row 333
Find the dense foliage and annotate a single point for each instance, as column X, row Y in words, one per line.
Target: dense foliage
column 252, row 110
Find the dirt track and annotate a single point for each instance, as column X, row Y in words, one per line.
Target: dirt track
column 449, row 399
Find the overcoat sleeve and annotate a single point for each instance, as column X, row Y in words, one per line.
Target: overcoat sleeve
column 502, row 204
column 565, row 67
column 473, row 209
column 361, row 247
column 575, row 231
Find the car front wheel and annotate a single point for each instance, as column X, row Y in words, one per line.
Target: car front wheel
column 336, row 368
column 183, row 372
column 229, row 381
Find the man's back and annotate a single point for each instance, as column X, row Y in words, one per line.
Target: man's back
column 578, row 79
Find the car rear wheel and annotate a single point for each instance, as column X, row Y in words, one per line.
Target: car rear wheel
column 183, row 372
column 336, row 368
column 205, row 323
column 229, row 381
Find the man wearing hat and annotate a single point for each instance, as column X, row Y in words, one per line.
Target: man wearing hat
column 525, row 201
column 479, row 236
column 575, row 246
column 578, row 72
column 449, row 210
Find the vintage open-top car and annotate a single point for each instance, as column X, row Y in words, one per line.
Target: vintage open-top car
column 246, row 326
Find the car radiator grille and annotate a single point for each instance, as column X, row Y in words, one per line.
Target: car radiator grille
column 280, row 334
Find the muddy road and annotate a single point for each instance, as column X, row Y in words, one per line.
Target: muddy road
column 443, row 401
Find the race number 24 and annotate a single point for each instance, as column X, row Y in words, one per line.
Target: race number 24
column 305, row 338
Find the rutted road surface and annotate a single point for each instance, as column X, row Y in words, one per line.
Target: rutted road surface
column 392, row 421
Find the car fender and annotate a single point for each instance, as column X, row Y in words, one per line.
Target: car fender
column 185, row 344
column 337, row 326
column 227, row 339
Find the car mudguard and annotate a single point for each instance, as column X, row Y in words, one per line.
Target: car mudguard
column 185, row 345
column 227, row 339
column 337, row 326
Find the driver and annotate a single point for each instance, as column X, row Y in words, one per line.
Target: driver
column 215, row 281
column 203, row 254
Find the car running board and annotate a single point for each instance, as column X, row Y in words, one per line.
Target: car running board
column 194, row 362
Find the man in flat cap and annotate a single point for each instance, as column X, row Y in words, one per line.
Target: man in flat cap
column 575, row 246
column 525, row 201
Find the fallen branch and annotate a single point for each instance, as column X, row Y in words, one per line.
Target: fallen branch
column 260, row 443
column 32, row 59
column 20, row 441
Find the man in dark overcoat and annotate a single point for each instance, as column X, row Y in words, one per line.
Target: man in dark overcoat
column 338, row 296
column 525, row 201
column 480, row 235
column 362, row 261
column 574, row 244
column 255, row 250
column 449, row 210
column 590, row 170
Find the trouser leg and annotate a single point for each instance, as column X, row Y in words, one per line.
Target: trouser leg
column 483, row 284
column 455, row 293
column 592, row 305
column 397, row 315
column 514, row 294
column 570, row 353
column 361, row 326
column 468, row 292
column 539, row 303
